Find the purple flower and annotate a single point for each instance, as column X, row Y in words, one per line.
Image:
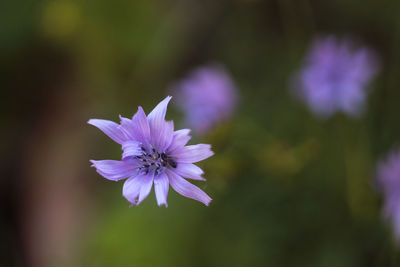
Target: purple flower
column 388, row 175
column 335, row 76
column 207, row 96
column 153, row 153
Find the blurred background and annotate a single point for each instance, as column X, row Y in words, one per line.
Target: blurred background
column 288, row 189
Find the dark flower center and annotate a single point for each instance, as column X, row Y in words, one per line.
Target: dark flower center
column 154, row 162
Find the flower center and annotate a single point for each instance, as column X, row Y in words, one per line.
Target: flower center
column 154, row 162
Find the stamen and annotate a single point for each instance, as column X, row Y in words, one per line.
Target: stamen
column 154, row 162
column 172, row 163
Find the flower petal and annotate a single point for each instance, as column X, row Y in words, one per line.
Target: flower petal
column 137, row 188
column 157, row 123
column 138, row 128
column 146, row 188
column 115, row 170
column 110, row 128
column 141, row 125
column 126, row 127
column 161, row 186
column 131, row 188
column 131, row 149
column 194, row 153
column 187, row 189
column 189, row 170
column 180, row 139
column 157, row 115
column 165, row 136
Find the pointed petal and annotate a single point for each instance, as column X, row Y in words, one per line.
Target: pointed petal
column 146, row 188
column 136, row 189
column 194, row 153
column 180, row 139
column 131, row 149
column 138, row 128
column 126, row 127
column 141, row 125
column 110, row 128
column 131, row 188
column 157, row 123
column 158, row 113
column 161, row 186
column 165, row 136
column 187, row 189
column 189, row 170
column 115, row 170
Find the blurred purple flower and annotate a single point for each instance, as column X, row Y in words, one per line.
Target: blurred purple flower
column 388, row 175
column 153, row 153
column 207, row 96
column 334, row 77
